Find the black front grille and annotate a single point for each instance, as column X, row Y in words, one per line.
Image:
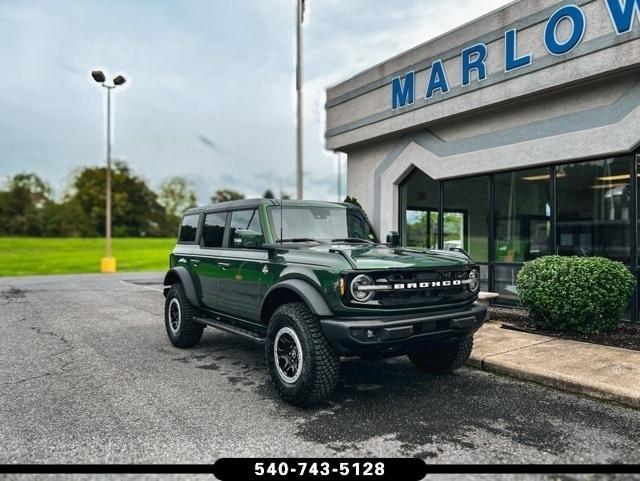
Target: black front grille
column 415, row 297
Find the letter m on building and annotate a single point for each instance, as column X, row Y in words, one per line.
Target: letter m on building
column 403, row 90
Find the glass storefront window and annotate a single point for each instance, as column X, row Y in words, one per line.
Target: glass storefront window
column 593, row 217
column 522, row 219
column 422, row 228
column 420, row 201
column 594, row 201
column 504, row 280
column 466, row 216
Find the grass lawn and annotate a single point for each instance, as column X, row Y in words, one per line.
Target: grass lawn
column 21, row 256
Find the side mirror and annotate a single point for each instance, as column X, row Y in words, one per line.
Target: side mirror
column 247, row 239
column 393, row 239
column 460, row 250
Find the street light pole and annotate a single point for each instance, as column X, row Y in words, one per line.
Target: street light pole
column 108, row 196
column 299, row 161
column 108, row 262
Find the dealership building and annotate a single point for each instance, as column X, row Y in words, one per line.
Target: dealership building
column 513, row 136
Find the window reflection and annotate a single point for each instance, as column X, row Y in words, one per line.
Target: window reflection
column 594, row 201
column 420, row 198
column 522, row 215
column 466, row 216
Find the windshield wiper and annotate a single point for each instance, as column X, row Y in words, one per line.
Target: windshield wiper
column 299, row 239
column 353, row 239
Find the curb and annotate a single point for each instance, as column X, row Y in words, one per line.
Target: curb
column 555, row 380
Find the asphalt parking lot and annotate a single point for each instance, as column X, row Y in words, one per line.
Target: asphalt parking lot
column 89, row 376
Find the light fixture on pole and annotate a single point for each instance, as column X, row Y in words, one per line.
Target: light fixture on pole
column 108, row 262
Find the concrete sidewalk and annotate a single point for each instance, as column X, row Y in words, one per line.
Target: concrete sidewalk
column 599, row 371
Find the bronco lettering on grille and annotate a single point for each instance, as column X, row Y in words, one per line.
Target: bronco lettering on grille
column 426, row 285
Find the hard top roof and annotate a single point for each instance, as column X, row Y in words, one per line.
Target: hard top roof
column 254, row 203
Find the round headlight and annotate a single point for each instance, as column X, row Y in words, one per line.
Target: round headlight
column 474, row 285
column 361, row 280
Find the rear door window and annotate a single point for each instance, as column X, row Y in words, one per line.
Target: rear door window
column 213, row 230
column 188, row 228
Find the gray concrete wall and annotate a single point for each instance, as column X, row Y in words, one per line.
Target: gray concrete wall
column 596, row 119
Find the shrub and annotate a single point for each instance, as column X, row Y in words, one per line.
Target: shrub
column 579, row 294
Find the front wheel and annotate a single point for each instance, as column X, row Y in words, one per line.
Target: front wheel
column 302, row 365
column 443, row 358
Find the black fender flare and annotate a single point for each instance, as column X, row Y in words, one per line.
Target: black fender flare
column 182, row 275
column 306, row 291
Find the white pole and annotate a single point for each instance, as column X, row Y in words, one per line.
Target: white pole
column 299, row 162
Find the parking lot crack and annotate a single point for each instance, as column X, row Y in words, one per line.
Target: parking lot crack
column 69, row 347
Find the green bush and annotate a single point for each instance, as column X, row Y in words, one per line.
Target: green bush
column 575, row 294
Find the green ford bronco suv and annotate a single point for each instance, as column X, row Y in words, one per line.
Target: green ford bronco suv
column 312, row 282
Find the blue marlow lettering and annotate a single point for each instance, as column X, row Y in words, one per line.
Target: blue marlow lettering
column 403, row 93
column 474, row 58
column 511, row 60
column 437, row 79
column 622, row 13
column 575, row 15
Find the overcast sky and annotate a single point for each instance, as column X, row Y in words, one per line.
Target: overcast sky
column 211, row 90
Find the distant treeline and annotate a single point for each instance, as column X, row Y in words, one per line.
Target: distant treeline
column 27, row 207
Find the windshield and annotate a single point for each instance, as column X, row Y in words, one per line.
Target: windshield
column 321, row 223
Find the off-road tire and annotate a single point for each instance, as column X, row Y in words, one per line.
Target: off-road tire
column 444, row 358
column 320, row 364
column 188, row 332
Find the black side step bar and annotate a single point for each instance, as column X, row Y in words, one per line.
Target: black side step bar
column 223, row 326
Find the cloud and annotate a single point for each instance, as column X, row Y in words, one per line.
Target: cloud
column 210, row 93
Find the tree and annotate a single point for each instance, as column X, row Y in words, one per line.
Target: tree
column 224, row 195
column 285, row 196
column 177, row 195
column 38, row 189
column 21, row 204
column 135, row 207
column 66, row 219
column 352, row 200
column 268, row 194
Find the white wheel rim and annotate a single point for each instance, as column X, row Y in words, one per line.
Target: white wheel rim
column 174, row 314
column 287, row 355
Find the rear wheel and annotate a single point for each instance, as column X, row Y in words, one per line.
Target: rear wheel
column 182, row 329
column 443, row 358
column 302, row 365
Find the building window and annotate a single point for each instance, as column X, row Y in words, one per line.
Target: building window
column 466, row 216
column 591, row 210
column 420, row 200
column 522, row 219
column 594, row 201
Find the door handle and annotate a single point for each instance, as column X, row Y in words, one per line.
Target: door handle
column 195, row 262
column 224, row 265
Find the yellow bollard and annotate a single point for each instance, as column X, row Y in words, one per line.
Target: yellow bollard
column 108, row 264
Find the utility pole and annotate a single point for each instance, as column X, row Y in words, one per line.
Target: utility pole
column 108, row 262
column 299, row 137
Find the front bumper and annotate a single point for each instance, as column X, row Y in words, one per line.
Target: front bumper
column 397, row 335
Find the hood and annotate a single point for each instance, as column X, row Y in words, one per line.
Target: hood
column 383, row 257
